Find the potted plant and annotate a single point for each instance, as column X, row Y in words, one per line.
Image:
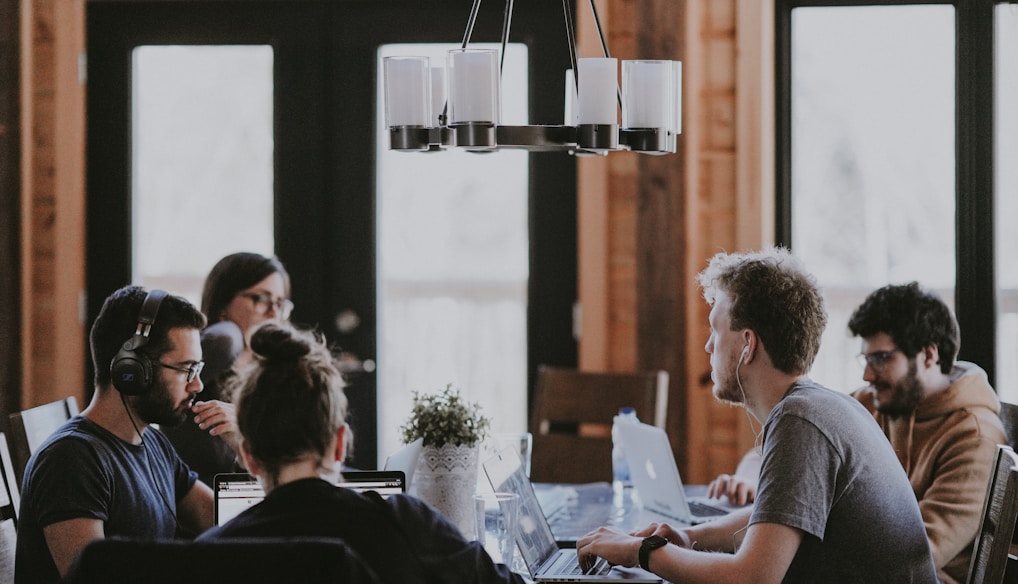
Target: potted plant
column 451, row 430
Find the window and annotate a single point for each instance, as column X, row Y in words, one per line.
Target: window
column 1006, row 189
column 872, row 159
column 453, row 268
column 886, row 112
column 202, row 162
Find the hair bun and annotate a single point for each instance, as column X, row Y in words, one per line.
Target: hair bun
column 275, row 342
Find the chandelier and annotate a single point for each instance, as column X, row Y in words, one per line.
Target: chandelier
column 433, row 108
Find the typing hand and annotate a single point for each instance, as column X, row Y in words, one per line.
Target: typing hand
column 617, row 548
column 739, row 490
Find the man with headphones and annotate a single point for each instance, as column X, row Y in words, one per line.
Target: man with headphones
column 107, row 472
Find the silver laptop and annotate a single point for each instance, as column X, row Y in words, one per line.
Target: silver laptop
column 656, row 477
column 544, row 560
column 235, row 492
column 405, row 459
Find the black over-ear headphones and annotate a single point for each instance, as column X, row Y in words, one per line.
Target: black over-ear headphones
column 131, row 370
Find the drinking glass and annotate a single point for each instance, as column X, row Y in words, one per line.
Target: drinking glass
column 496, row 520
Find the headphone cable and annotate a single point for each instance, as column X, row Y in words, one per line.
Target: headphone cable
column 151, row 473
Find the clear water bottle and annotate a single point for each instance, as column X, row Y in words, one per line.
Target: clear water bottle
column 620, row 468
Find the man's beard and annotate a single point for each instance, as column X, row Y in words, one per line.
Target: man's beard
column 727, row 387
column 156, row 407
column 905, row 395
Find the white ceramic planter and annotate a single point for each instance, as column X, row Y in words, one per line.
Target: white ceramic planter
column 446, row 479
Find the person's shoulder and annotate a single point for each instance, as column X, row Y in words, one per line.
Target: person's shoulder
column 77, row 433
column 220, row 345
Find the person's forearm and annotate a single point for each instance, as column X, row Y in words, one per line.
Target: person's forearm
column 719, row 534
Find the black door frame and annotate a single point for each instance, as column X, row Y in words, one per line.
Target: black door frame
column 324, row 178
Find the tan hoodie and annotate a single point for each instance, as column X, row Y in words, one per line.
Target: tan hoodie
column 947, row 447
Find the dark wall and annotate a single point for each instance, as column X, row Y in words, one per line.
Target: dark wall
column 10, row 195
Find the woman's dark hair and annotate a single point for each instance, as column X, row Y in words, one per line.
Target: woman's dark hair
column 914, row 319
column 234, row 273
column 290, row 401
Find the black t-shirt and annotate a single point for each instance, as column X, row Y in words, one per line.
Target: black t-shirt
column 401, row 538
column 84, row 471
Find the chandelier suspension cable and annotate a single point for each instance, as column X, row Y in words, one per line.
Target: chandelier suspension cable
column 470, row 23
column 571, row 40
column 507, row 21
column 604, row 43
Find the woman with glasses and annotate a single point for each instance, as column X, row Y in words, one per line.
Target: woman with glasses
column 241, row 291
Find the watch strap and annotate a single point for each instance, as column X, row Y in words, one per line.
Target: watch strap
column 648, row 545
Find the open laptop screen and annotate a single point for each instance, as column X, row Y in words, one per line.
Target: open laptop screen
column 235, row 492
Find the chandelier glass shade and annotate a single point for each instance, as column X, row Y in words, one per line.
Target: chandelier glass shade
column 434, row 106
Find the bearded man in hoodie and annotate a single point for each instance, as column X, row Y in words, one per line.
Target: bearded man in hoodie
column 940, row 415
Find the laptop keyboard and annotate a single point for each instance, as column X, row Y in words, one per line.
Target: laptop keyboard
column 704, row 510
column 569, row 565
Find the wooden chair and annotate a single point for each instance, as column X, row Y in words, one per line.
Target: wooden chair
column 299, row 559
column 9, row 502
column 572, row 419
column 31, row 427
column 1009, row 418
column 1000, row 511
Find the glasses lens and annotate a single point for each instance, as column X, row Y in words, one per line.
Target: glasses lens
column 876, row 360
column 285, row 307
column 194, row 371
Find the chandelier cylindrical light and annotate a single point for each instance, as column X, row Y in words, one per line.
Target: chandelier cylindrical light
column 651, row 94
column 474, row 97
column 598, row 87
column 473, row 86
column 647, row 92
column 407, row 91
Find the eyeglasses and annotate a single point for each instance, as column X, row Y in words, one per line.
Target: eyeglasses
column 193, row 370
column 877, row 360
column 263, row 301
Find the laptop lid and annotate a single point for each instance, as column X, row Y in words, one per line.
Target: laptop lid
column 405, row 459
column 235, row 492
column 654, row 473
column 535, row 541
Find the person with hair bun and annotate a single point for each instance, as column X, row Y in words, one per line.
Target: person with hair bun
column 291, row 412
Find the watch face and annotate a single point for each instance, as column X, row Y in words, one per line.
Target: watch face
column 655, row 541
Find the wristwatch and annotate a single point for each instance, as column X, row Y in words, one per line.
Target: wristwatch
column 650, row 544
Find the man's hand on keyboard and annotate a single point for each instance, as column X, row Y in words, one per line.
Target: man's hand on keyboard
column 739, row 490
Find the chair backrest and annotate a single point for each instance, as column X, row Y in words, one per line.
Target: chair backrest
column 8, row 547
column 1009, row 418
column 31, row 427
column 10, row 493
column 997, row 527
column 573, row 413
column 306, row 559
column 9, row 502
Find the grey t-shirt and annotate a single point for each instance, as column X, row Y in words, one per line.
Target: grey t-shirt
column 829, row 471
